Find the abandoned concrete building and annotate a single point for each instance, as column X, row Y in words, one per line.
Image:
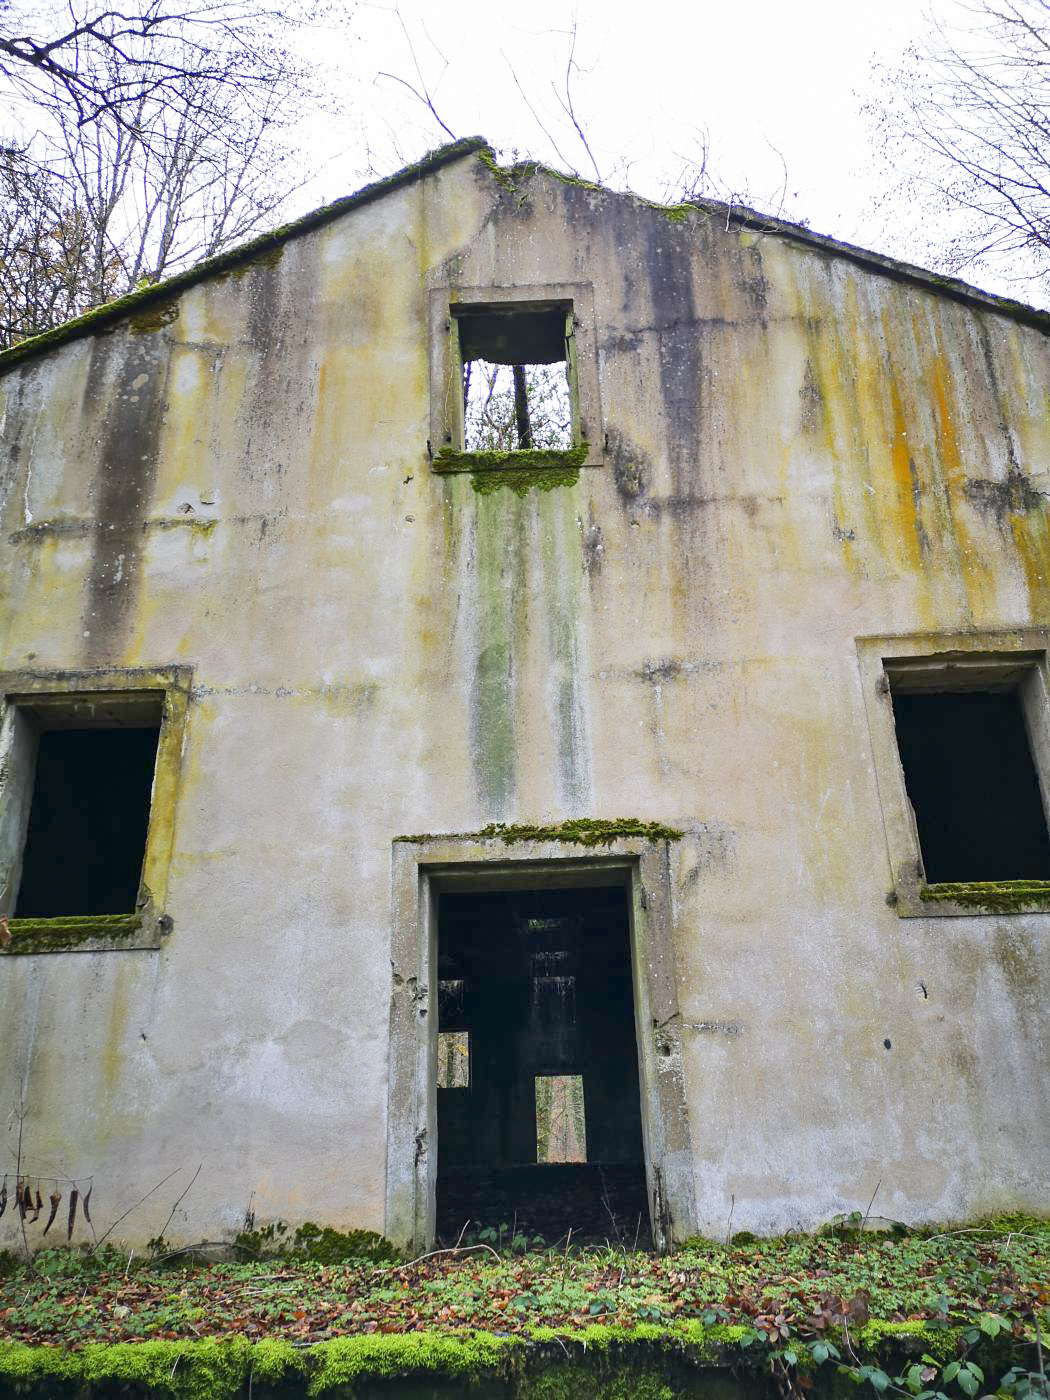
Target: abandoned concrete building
column 637, row 824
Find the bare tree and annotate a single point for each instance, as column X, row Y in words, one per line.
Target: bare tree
column 44, row 244
column 98, row 60
column 164, row 150
column 966, row 116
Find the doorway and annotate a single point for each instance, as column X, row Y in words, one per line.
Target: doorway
column 539, row 1122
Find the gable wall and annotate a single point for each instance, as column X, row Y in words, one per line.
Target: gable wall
column 799, row 452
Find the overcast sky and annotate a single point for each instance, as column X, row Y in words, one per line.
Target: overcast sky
column 771, row 85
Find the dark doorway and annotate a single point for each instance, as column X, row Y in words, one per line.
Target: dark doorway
column 87, row 823
column 973, row 786
column 539, row 1119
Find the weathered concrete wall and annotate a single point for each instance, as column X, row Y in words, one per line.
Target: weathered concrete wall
column 799, row 451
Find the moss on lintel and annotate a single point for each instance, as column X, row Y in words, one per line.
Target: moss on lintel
column 521, row 469
column 997, row 896
column 66, row 934
column 581, row 831
column 542, row 467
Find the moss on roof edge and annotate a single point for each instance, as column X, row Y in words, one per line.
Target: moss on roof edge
column 735, row 215
column 740, row 216
column 101, row 317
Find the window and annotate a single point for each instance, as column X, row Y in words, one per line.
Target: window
column 453, row 1064
column 86, row 834
column 961, row 740
column 517, row 370
column 513, row 372
column 561, row 1125
column 86, row 826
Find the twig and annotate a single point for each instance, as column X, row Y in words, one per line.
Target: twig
column 130, row 1257
column 102, row 1239
column 180, row 1200
column 433, row 1253
column 871, row 1203
column 18, row 1176
column 729, row 1222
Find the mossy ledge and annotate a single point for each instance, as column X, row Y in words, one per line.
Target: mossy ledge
column 647, row 1360
column 68, row 934
column 521, row 470
column 581, row 831
column 997, row 896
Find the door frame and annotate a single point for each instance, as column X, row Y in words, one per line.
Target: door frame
column 425, row 866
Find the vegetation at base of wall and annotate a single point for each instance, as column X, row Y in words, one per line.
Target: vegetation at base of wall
column 997, row 896
column 59, row 935
column 319, row 1243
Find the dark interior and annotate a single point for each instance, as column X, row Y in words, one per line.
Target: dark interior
column 87, row 823
column 971, row 780
column 541, row 982
column 513, row 337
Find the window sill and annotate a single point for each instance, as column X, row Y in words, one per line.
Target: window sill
column 975, row 898
column 84, row 933
column 545, row 467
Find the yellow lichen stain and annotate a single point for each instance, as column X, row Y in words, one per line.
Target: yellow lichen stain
column 1031, row 536
column 974, row 562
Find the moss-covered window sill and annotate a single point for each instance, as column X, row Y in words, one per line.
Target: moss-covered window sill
column 86, row 933
column 976, row 897
column 520, row 470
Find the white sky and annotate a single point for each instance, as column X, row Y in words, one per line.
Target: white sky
column 759, row 78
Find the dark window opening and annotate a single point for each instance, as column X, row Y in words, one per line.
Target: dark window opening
column 86, row 835
column 973, row 785
column 549, row 1131
column 516, row 378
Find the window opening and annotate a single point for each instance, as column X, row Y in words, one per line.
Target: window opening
column 453, row 1060
column 972, row 784
column 561, row 1124
column 516, row 372
column 88, row 818
column 551, row 1127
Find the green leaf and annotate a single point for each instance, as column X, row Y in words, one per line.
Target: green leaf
column 968, row 1383
column 879, row 1379
column 951, row 1371
column 791, row 1358
column 991, row 1325
column 819, row 1352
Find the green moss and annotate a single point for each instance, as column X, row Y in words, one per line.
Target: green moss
column 675, row 213
column 61, row 935
column 997, row 896
column 330, row 1246
column 155, row 316
column 583, row 831
column 543, row 468
column 345, row 1360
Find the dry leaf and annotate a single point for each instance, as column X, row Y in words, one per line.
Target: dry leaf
column 3, row 1196
column 84, row 1203
column 56, row 1197
column 72, row 1214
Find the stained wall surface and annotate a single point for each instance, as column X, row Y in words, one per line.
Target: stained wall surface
column 796, row 451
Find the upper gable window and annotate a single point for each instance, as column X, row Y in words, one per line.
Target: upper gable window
column 516, row 365
column 514, row 383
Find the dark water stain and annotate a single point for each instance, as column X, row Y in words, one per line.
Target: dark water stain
column 998, row 499
column 129, row 376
